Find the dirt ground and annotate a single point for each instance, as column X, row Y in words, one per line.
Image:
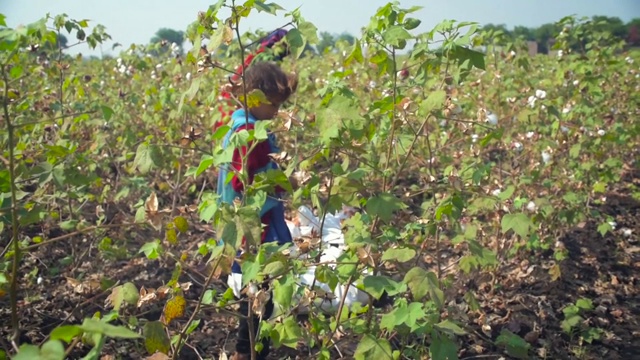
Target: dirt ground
column 521, row 298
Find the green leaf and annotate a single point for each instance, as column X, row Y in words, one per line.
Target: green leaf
column 401, row 255
column 287, row 333
column 283, row 291
column 107, row 112
column 355, row 55
column 384, row 205
column 29, row 352
column 65, row 333
column 514, row 344
column 604, row 228
column 520, row 223
column 376, row 285
column 434, row 101
column 296, row 42
column 130, row 293
column 450, row 326
column 421, row 283
column 207, row 299
column 585, row 304
column 99, row 327
column 270, row 8
column 442, row 347
column 151, row 249
column 155, row 338
column 52, row 350
column 147, row 157
column 371, row 347
column 411, row 23
column 396, row 36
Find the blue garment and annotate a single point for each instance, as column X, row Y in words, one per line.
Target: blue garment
column 278, row 230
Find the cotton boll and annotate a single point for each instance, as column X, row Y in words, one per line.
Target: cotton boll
column 530, row 134
column 576, row 82
column 531, row 206
column 159, row 66
column 517, row 146
column 531, row 101
column 491, row 118
column 546, row 157
column 496, row 192
column 474, row 138
column 566, row 110
column 613, row 224
column 188, row 76
column 541, row 94
column 564, row 129
column 601, row 132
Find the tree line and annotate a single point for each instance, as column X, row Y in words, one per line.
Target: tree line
column 544, row 35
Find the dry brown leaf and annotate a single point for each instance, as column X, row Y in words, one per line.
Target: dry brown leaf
column 158, row 356
column 259, row 301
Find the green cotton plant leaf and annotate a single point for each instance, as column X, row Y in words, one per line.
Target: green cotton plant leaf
column 286, row 333
column 341, row 112
column 423, row 283
column 377, row 285
column 99, row 327
column 65, row 333
column 107, row 112
column 296, row 42
column 371, row 347
column 384, row 205
column 270, row 8
column 433, row 101
column 404, row 314
column 520, row 224
column 396, row 36
column 451, row 327
column 514, row 344
column 355, row 55
column 283, row 291
column 442, row 347
column 156, row 338
column 401, row 255
column 147, row 157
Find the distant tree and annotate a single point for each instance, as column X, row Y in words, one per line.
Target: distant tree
column 347, row 38
column 327, row 41
column 524, row 32
column 613, row 25
column 169, row 36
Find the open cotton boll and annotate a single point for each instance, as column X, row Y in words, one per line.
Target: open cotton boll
column 531, row 206
column 491, row 118
column 546, row 157
column 541, row 94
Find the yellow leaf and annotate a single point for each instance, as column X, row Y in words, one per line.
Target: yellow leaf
column 171, row 236
column 181, row 224
column 155, row 338
column 255, row 98
column 555, row 273
column 174, row 308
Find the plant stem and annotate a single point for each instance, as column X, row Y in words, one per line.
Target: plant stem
column 13, row 289
column 196, row 310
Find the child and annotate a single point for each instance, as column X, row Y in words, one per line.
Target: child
column 272, row 48
column 277, row 87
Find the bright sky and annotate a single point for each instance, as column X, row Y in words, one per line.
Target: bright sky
column 135, row 21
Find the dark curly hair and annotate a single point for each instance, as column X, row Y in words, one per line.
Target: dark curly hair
column 271, row 80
